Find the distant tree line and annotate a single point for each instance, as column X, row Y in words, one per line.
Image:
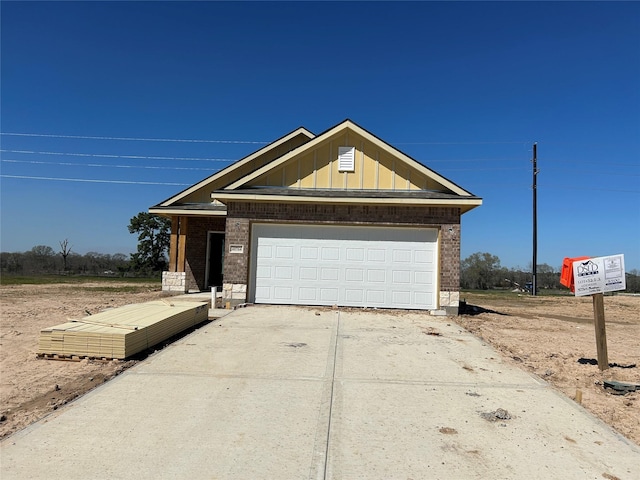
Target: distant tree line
column 482, row 271
column 149, row 260
column 43, row 260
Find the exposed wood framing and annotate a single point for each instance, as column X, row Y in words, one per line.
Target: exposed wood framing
column 173, row 245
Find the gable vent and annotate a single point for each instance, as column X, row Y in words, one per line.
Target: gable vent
column 346, row 159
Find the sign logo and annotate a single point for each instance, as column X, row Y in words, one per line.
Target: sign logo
column 587, row 268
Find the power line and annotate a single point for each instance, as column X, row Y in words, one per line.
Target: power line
column 483, row 169
column 590, row 188
column 133, row 139
column 131, row 157
column 587, row 172
column 551, row 162
column 87, row 180
column 461, row 143
column 71, row 164
column 142, row 139
column 480, row 185
column 148, row 157
column 580, row 162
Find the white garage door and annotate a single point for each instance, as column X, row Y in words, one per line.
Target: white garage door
column 346, row 266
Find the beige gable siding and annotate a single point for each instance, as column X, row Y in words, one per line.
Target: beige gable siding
column 370, row 166
column 375, row 169
column 307, row 166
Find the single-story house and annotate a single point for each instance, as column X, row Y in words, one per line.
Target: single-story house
column 340, row 218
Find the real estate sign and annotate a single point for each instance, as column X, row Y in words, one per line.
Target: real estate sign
column 599, row 275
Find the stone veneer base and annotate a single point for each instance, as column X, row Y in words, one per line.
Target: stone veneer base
column 174, row 282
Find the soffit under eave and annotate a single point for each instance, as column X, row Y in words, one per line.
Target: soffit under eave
column 336, row 131
column 235, row 166
column 465, row 204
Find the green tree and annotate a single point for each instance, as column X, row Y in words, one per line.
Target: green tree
column 41, row 259
column 481, row 271
column 633, row 281
column 153, row 241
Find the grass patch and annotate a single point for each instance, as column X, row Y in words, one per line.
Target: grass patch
column 495, row 293
column 120, row 288
column 74, row 280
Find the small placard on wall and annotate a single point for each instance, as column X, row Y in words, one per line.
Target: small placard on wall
column 236, row 248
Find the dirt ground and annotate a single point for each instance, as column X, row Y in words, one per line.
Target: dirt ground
column 552, row 337
column 31, row 387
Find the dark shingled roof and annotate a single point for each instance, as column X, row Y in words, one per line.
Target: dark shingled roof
column 338, row 193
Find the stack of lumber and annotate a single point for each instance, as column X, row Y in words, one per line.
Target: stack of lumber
column 121, row 332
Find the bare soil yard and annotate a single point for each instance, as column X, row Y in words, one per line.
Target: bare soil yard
column 31, row 387
column 552, row 337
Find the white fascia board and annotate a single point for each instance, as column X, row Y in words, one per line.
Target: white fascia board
column 187, row 213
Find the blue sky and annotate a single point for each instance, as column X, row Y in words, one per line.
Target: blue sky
column 465, row 88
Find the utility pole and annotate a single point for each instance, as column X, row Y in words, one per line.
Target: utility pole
column 534, row 283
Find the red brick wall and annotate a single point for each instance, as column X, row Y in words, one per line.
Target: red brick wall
column 196, row 251
column 240, row 216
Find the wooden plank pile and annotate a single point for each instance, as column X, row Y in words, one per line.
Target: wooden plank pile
column 123, row 331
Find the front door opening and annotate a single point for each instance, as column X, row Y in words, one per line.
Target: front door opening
column 215, row 259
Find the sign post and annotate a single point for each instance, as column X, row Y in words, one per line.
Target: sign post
column 596, row 276
column 601, row 332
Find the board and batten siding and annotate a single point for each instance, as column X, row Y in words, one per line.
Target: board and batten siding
column 375, row 169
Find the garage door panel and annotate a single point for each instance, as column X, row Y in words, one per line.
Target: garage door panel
column 376, row 255
column 354, row 274
column 308, row 273
column 284, row 251
column 402, row 256
column 376, row 275
column 354, row 296
column 423, row 298
column 283, row 293
column 263, row 272
column 401, row 297
column 263, row 292
column 423, row 256
column 347, row 266
column 375, row 297
column 308, row 294
column 422, row 278
column 401, row 276
column 330, row 253
column 308, row 253
column 329, row 274
column 283, row 273
column 355, row 254
column 329, row 294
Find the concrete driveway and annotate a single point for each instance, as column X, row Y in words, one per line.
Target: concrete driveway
column 293, row 393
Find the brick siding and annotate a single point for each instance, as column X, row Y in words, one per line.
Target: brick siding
column 240, row 216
